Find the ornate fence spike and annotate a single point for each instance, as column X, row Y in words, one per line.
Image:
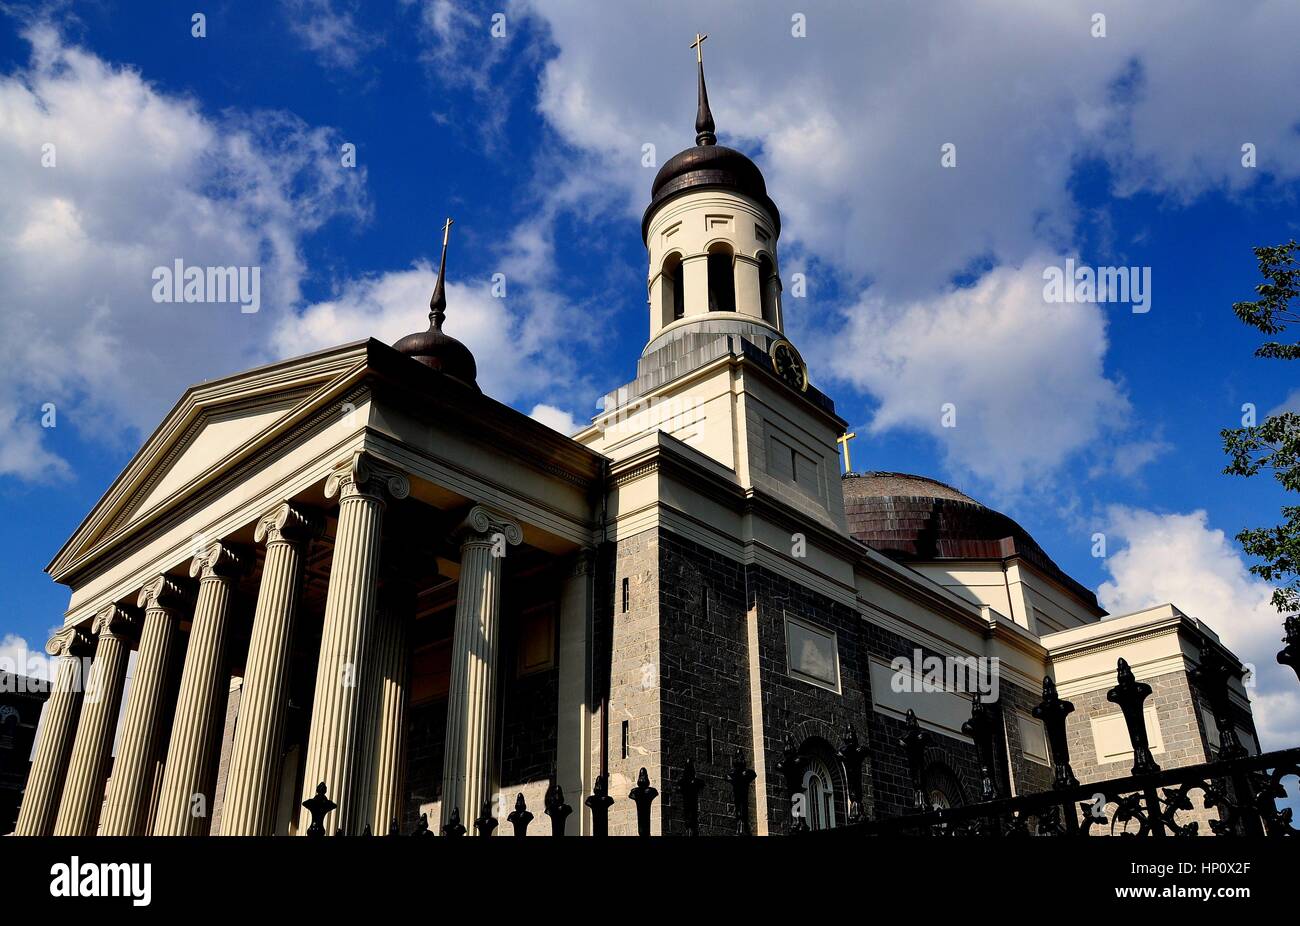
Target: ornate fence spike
column 485, row 823
column 1052, row 711
column 851, row 755
column 643, row 795
column 366, row 831
column 791, row 767
column 393, row 829
column 599, row 803
column 556, row 809
column 519, row 818
column 689, row 785
column 741, row 777
column 1129, row 695
column 453, row 827
column 1213, row 676
column 982, row 728
column 914, row 741
column 318, row 806
column 1290, row 654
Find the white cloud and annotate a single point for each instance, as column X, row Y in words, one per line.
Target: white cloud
column 511, row 361
column 18, row 658
column 141, row 178
column 329, row 28
column 847, row 125
column 556, row 418
column 1178, row 558
column 849, row 120
column 1026, row 377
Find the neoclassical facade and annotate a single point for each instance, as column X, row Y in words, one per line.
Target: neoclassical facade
column 354, row 568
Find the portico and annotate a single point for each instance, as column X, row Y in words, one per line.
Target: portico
column 352, row 534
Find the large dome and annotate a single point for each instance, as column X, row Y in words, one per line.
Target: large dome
column 913, row 518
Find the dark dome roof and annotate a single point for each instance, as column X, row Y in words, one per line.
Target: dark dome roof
column 913, row 518
column 433, row 348
column 443, row 353
column 709, row 166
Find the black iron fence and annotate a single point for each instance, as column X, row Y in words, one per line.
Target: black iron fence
column 1235, row 794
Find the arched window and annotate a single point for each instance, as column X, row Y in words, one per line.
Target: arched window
column 672, row 288
column 819, row 793
column 942, row 787
column 722, row 279
column 768, row 287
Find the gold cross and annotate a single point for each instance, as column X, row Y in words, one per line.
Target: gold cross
column 843, row 441
column 698, row 45
column 446, row 231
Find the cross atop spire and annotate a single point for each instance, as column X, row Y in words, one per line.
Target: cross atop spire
column 438, row 302
column 703, row 116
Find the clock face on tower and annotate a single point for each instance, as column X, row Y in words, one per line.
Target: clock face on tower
column 789, row 365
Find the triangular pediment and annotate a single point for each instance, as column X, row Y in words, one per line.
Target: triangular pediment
column 213, row 425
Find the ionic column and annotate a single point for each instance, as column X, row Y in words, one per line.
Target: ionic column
column 467, row 771
column 135, row 767
column 253, row 778
column 573, row 716
column 337, row 716
column 189, row 776
column 45, row 780
column 388, row 713
column 83, row 792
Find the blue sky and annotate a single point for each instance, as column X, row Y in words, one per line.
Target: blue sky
column 924, row 282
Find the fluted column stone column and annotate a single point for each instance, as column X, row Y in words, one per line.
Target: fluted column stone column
column 45, row 779
column 467, row 771
column 253, row 777
column 338, row 724
column 388, row 712
column 142, row 739
column 189, row 776
column 83, row 792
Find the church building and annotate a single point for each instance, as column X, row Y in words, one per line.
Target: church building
column 354, row 568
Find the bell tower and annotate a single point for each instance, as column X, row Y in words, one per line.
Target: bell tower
column 717, row 373
column 711, row 233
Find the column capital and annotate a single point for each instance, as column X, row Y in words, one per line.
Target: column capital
column 363, row 475
column 482, row 524
column 114, row 621
column 163, row 593
column 70, row 641
column 219, row 560
column 582, row 562
column 288, row 523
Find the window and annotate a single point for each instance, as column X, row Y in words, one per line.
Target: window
column 819, row 795
column 722, row 280
column 812, row 654
column 768, row 287
column 672, row 289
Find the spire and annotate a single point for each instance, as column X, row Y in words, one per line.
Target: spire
column 438, row 302
column 703, row 115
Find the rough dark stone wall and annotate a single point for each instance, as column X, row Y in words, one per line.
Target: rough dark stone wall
column 797, row 709
column 1029, row 776
column 703, row 678
column 425, row 740
column 528, row 731
column 891, row 779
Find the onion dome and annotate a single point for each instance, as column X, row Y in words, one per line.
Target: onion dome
column 917, row 519
column 708, row 164
column 434, row 348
